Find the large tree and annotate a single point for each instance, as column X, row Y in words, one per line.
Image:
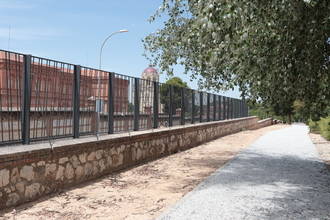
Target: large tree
column 274, row 51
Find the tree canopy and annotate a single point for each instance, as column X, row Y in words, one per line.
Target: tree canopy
column 276, row 52
column 176, row 83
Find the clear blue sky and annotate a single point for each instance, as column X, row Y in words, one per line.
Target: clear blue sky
column 72, row 31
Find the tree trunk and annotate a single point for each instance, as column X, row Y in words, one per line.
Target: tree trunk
column 290, row 119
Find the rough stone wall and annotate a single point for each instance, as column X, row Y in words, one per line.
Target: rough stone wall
column 263, row 123
column 26, row 176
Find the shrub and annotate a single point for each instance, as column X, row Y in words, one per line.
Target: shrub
column 314, row 126
column 324, row 125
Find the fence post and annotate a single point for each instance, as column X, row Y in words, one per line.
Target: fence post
column 231, row 108
column 111, row 103
column 220, row 112
column 208, row 107
column 228, row 108
column 201, row 106
column 192, row 106
column 155, row 108
column 238, row 108
column 136, row 104
column 26, row 102
column 224, row 108
column 246, row 110
column 183, row 107
column 76, row 100
column 170, row 118
column 234, row 108
column 214, row 107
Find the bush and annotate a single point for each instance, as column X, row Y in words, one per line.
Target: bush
column 321, row 127
column 325, row 127
column 314, row 126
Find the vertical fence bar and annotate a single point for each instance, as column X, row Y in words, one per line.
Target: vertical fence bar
column 246, row 109
column 234, row 108
column 201, row 106
column 232, row 105
column 242, row 111
column 228, row 108
column 238, row 108
column 230, row 100
column 231, row 108
column 219, row 110
column 224, row 107
column 183, row 107
column 214, row 107
column 111, row 103
column 170, row 116
column 155, row 105
column 26, row 100
column 192, row 106
column 243, row 108
column 208, row 107
column 136, row 104
column 76, row 100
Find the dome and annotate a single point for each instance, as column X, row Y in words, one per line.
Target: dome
column 150, row 73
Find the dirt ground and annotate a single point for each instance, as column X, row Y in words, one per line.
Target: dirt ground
column 323, row 147
column 143, row 192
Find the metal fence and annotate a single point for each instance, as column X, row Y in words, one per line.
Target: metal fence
column 43, row 99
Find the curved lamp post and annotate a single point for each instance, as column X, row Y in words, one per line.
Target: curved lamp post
column 98, row 102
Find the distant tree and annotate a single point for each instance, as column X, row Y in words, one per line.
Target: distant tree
column 176, row 84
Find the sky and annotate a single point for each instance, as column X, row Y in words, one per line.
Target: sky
column 72, row 31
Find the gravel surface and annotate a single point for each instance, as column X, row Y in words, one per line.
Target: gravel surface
column 280, row 176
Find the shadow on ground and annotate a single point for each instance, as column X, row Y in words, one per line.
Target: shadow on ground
column 294, row 186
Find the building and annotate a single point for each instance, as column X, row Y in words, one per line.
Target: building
column 52, row 86
column 149, row 76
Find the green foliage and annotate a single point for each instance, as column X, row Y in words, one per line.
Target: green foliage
column 314, row 126
column 262, row 112
column 325, row 127
column 275, row 52
column 176, row 84
column 299, row 110
column 322, row 127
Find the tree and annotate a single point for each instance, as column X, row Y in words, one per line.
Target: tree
column 177, row 84
column 276, row 52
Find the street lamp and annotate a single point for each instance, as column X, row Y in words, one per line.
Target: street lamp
column 98, row 100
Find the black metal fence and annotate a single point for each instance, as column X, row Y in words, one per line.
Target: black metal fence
column 43, row 99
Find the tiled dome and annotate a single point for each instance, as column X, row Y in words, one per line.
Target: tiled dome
column 150, row 73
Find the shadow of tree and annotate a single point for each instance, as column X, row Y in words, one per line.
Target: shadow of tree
column 281, row 187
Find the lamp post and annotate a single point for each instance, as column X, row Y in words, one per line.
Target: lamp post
column 98, row 100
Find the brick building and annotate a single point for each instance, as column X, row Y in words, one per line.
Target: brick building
column 52, row 86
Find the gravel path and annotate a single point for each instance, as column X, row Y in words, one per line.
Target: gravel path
column 279, row 177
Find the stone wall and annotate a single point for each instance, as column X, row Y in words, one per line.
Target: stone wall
column 31, row 171
column 263, row 123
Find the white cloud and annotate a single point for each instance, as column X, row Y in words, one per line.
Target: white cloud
column 31, row 33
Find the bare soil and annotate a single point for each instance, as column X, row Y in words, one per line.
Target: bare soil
column 323, row 147
column 143, row 192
